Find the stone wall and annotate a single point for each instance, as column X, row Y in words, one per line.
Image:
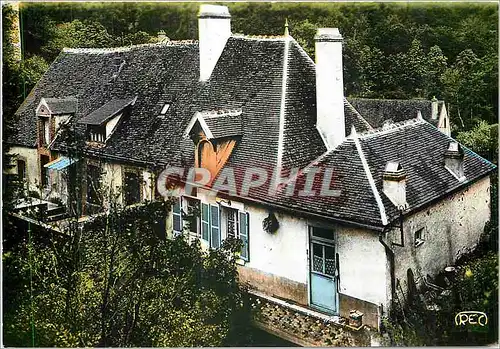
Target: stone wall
column 451, row 227
column 304, row 328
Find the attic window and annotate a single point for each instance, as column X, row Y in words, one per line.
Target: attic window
column 97, row 133
column 165, row 109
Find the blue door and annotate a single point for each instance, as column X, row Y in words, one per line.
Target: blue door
column 323, row 282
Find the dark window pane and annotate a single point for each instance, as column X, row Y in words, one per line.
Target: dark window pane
column 323, row 233
column 329, row 260
column 21, row 169
column 132, row 188
column 318, row 257
column 231, row 223
column 93, row 184
column 44, row 159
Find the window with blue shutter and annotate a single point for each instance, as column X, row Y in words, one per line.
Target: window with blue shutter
column 177, row 217
column 215, row 226
column 244, row 235
column 205, row 222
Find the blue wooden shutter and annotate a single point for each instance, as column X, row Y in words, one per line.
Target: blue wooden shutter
column 244, row 236
column 177, row 217
column 205, row 222
column 215, row 226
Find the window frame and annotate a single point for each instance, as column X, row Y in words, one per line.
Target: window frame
column 23, row 161
column 178, row 203
column 418, row 237
column 246, row 244
column 98, row 170
column 125, row 187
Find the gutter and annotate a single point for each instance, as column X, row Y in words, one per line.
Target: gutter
column 390, row 255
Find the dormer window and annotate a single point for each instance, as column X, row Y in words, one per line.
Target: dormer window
column 52, row 113
column 97, row 134
column 102, row 122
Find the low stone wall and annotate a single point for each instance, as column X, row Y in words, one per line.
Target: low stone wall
column 303, row 328
column 273, row 285
column 370, row 311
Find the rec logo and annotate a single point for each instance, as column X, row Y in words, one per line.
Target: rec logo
column 471, row 317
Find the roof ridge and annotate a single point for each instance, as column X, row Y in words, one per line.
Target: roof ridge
column 388, row 128
column 259, row 37
column 104, row 50
column 284, row 81
column 394, row 99
column 376, row 194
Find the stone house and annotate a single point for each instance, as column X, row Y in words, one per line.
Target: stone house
column 351, row 195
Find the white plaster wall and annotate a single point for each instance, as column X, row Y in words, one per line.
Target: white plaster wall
column 30, row 155
column 111, row 181
column 110, row 125
column 283, row 253
column 450, row 227
column 363, row 265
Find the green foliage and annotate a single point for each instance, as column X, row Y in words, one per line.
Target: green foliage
column 390, row 50
column 482, row 139
column 115, row 282
column 430, row 319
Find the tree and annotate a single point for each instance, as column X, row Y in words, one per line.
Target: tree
column 482, row 139
column 114, row 280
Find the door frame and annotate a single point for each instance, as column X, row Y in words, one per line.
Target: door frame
column 333, row 243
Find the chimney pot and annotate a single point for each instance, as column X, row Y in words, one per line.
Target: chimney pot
column 394, row 184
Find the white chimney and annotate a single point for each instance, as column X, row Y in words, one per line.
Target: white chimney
column 394, row 184
column 214, row 28
column 434, row 108
column 330, row 86
column 454, row 160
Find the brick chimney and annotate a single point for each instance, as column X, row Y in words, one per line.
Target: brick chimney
column 214, row 28
column 454, row 160
column 394, row 184
column 330, row 86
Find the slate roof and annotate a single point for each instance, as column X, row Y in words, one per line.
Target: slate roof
column 249, row 75
column 416, row 144
column 62, row 105
column 377, row 111
column 104, row 113
column 419, row 147
column 225, row 125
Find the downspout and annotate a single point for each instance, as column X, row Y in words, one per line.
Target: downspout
column 390, row 255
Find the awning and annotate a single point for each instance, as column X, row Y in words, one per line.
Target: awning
column 60, row 163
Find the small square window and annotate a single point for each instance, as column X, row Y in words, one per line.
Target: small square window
column 419, row 237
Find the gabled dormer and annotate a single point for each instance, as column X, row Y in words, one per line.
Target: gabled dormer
column 102, row 122
column 51, row 113
column 215, row 135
